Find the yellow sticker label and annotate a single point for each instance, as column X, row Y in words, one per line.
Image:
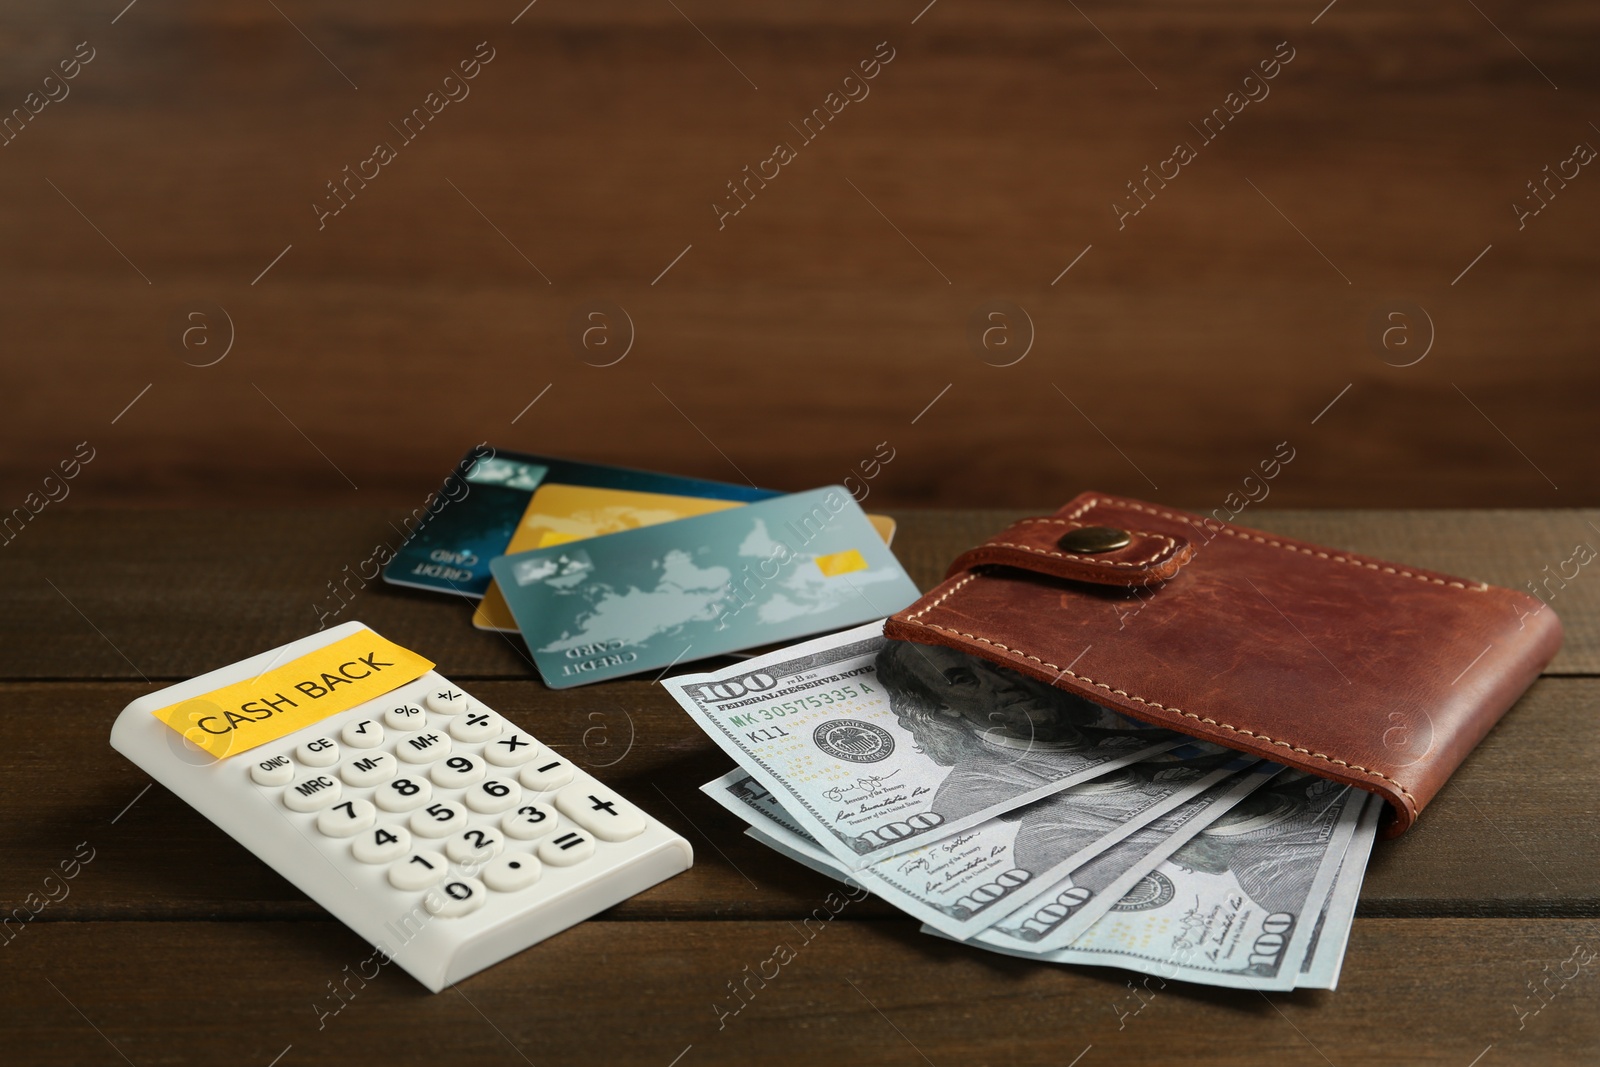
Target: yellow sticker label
column 841, row 563
column 279, row 701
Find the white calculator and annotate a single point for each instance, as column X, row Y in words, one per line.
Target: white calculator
column 433, row 827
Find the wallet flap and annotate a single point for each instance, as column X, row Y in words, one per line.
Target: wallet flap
column 1356, row 669
column 1069, row 548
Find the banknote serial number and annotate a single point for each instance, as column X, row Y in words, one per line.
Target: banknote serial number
column 810, row 702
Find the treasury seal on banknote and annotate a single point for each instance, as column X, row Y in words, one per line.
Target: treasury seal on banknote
column 853, row 740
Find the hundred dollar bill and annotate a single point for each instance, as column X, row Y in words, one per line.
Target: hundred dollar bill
column 876, row 746
column 1235, row 906
column 1325, row 954
column 1054, row 918
column 960, row 882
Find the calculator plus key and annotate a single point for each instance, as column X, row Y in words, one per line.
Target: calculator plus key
column 424, row 747
column 403, row 794
column 601, row 812
column 567, row 848
column 312, row 793
column 511, row 750
column 347, row 818
column 369, row 770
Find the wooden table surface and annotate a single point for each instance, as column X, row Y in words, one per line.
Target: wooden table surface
column 175, row 946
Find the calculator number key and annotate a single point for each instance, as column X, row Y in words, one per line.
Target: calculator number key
column 458, row 896
column 423, row 748
column 364, row 771
column 566, row 849
column 439, row 819
column 346, row 818
column 405, row 717
column 403, row 794
column 480, row 844
column 529, row 821
column 363, row 733
column 382, row 844
column 312, row 793
column 601, row 812
column 419, row 870
column 458, row 772
column 493, row 796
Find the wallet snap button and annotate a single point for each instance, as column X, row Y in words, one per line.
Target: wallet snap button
column 1091, row 539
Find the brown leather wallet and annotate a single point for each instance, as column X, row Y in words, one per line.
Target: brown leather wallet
column 1370, row 673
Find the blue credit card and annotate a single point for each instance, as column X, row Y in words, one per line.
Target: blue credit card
column 645, row 599
column 459, row 529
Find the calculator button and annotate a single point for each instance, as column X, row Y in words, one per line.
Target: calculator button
column 318, row 752
column 405, row 717
column 423, row 748
column 480, row 844
column 347, row 818
column 439, row 819
column 403, row 794
column 601, row 812
column 510, row 872
column 493, row 796
column 274, row 770
column 369, row 770
column 447, row 701
column 459, row 896
column 458, row 772
column 363, row 733
column 528, row 822
column 382, row 844
column 475, row 727
column 418, row 870
column 512, row 750
column 311, row 793
column 548, row 773
column 566, row 849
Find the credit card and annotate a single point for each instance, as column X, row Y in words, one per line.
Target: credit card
column 645, row 599
column 559, row 514
column 449, row 540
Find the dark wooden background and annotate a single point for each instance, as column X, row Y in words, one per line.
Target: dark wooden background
column 830, row 313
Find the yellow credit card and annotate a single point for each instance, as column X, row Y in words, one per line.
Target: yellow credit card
column 560, row 513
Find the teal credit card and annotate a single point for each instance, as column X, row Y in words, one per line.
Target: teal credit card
column 645, row 599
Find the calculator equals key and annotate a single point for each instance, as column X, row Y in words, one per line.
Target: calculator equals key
column 384, row 792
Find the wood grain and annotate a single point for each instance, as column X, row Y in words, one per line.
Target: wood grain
column 1413, row 991
column 833, row 309
column 172, row 594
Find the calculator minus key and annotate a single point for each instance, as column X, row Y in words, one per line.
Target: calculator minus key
column 312, row 793
column 274, row 770
column 546, row 774
column 318, row 752
column 362, row 733
column 601, row 812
